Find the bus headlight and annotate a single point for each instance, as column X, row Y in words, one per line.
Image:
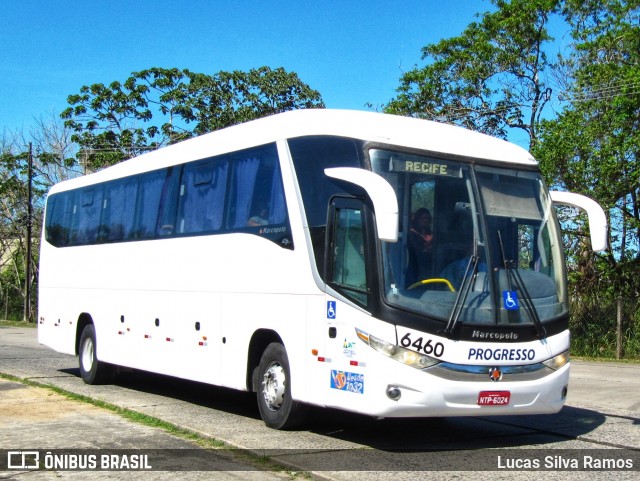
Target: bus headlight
column 400, row 354
column 558, row 361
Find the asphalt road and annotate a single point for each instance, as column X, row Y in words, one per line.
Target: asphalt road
column 601, row 421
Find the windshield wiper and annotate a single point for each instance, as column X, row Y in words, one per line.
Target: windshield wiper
column 463, row 292
column 514, row 278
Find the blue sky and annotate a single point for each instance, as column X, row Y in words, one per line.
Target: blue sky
column 353, row 52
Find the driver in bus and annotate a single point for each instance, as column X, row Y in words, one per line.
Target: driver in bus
column 420, row 246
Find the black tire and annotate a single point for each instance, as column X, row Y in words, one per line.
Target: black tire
column 277, row 408
column 92, row 370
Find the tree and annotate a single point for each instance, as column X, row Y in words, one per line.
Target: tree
column 15, row 224
column 156, row 107
column 51, row 162
column 54, row 152
column 593, row 146
column 491, row 78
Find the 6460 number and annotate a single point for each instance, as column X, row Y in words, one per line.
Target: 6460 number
column 429, row 347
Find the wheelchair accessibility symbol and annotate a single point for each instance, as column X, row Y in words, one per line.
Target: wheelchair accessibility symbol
column 331, row 309
column 510, row 299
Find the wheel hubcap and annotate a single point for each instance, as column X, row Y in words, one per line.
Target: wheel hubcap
column 273, row 386
column 87, row 355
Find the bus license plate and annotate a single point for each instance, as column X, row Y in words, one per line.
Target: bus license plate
column 494, row 398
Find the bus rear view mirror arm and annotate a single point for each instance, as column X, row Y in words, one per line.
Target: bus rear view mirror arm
column 385, row 203
column 597, row 218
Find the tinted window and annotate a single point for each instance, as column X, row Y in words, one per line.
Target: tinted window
column 202, row 195
column 150, row 190
column 118, row 215
column 60, row 212
column 311, row 155
column 237, row 191
column 257, row 197
column 89, row 215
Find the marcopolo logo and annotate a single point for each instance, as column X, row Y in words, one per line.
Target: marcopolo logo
column 497, row 336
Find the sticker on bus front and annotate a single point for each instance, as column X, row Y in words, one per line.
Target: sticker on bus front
column 510, row 299
column 347, row 381
column 331, row 309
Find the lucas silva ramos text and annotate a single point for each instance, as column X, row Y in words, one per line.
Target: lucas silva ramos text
column 568, row 463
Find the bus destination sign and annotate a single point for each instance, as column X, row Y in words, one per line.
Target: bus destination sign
column 424, row 166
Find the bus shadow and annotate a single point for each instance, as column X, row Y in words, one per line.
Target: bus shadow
column 450, row 444
column 205, row 395
column 463, row 433
column 414, row 434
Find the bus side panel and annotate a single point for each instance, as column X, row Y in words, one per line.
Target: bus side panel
column 246, row 313
column 183, row 307
column 264, row 288
column 315, row 368
column 57, row 311
column 56, row 321
column 348, row 378
column 160, row 331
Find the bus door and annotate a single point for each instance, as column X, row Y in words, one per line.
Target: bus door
column 348, row 295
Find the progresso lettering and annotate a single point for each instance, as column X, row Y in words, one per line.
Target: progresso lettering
column 480, row 354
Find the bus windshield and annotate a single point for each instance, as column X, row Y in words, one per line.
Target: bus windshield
column 477, row 244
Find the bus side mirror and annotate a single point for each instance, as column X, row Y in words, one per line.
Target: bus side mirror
column 597, row 218
column 382, row 195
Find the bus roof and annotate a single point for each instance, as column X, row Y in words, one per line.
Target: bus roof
column 433, row 137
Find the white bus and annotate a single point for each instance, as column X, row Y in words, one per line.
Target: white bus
column 378, row 264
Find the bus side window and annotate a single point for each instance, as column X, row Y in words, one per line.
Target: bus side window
column 148, row 204
column 267, row 202
column 60, row 210
column 202, row 196
column 245, row 173
column 169, row 203
column 257, row 195
column 118, row 213
column 89, row 211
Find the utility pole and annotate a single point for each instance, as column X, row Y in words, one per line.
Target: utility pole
column 27, row 283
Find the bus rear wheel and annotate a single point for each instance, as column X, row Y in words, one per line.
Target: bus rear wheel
column 277, row 408
column 92, row 371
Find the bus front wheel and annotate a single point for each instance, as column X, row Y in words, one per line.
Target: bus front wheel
column 92, row 371
column 277, row 409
